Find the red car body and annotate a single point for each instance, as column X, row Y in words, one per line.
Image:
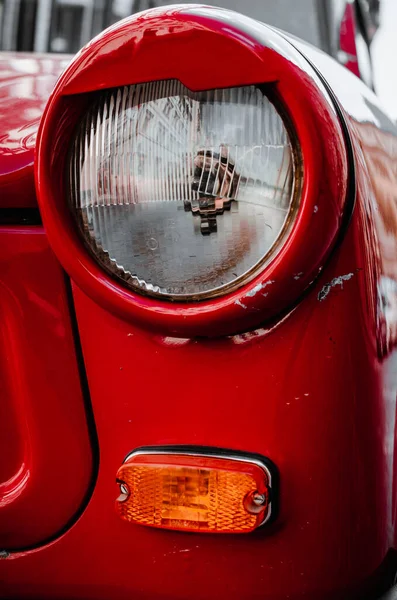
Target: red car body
column 307, row 377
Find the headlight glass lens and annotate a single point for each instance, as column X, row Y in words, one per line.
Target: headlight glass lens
column 183, row 195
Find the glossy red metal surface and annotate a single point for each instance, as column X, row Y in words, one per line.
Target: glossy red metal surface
column 347, row 39
column 45, row 454
column 310, row 394
column 26, row 81
column 380, row 151
column 316, row 393
column 375, row 136
column 135, row 51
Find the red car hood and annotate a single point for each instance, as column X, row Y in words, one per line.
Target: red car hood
column 26, row 81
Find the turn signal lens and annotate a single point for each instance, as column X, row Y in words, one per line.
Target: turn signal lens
column 193, row 493
column 183, row 195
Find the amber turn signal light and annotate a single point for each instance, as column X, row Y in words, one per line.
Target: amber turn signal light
column 201, row 493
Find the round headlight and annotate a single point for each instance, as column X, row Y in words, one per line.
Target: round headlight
column 181, row 194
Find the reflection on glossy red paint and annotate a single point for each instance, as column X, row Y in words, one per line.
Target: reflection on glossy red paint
column 26, row 82
column 44, row 444
column 374, row 135
column 287, row 393
column 11, row 490
column 347, row 40
column 312, row 393
column 380, row 154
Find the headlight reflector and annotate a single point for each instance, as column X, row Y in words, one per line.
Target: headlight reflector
column 182, row 195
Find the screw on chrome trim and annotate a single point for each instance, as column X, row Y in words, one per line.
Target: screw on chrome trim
column 255, row 503
column 258, row 499
column 124, row 492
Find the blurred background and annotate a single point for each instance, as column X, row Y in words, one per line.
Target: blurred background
column 358, row 33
